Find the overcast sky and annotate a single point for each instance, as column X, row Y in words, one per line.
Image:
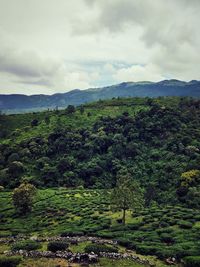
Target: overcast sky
column 49, row 46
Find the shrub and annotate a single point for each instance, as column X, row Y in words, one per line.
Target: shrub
column 57, row 246
column 185, row 224
column 164, row 224
column 165, row 237
column 134, row 226
column 26, row 245
column 126, row 243
column 66, row 234
column 164, row 253
column 146, row 250
column 9, row 261
column 1, row 188
column 165, row 230
column 192, row 261
column 97, row 248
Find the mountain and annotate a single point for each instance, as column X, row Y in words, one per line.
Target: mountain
column 20, row 103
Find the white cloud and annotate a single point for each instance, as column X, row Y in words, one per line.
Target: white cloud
column 55, row 46
column 138, row 73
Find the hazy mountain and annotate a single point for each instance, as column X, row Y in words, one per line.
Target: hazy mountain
column 20, row 103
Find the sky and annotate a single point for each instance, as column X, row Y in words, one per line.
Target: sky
column 50, row 46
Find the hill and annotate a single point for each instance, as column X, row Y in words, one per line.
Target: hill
column 157, row 140
column 22, row 103
column 73, row 157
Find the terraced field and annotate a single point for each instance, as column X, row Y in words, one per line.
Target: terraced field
column 164, row 232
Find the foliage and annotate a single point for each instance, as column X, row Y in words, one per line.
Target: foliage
column 9, row 261
column 157, row 141
column 97, row 248
column 23, row 197
column 192, row 261
column 127, row 193
column 70, row 109
column 26, row 245
column 57, row 246
column 86, row 212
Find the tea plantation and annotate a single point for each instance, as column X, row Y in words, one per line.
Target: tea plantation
column 162, row 231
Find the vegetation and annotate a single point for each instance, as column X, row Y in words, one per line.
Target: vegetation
column 9, row 262
column 23, row 197
column 126, row 194
column 57, row 246
column 26, row 245
column 156, row 230
column 97, row 248
column 156, row 140
column 192, row 261
column 88, row 159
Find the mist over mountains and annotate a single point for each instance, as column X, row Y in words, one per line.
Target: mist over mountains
column 16, row 103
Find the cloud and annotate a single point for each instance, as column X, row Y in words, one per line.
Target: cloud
column 24, row 67
column 168, row 29
column 138, row 73
column 55, row 46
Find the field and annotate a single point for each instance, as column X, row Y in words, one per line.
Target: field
column 164, row 232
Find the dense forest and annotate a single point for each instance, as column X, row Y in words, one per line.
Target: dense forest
column 157, row 140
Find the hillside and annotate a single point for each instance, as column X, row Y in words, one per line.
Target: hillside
column 73, row 157
column 157, row 140
column 23, row 103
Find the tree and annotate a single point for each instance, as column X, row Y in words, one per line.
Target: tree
column 34, row 122
column 47, row 120
column 70, row 109
column 23, row 197
column 15, row 168
column 127, row 194
column 82, row 110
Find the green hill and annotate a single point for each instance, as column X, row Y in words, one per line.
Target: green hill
column 73, row 156
column 157, row 140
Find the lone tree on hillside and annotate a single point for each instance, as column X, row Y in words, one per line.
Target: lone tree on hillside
column 127, row 194
column 70, row 109
column 81, row 108
column 23, row 197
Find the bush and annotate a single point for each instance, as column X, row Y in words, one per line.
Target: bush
column 164, row 253
column 164, row 224
column 126, row 243
column 146, row 250
column 26, row 245
column 1, row 188
column 66, row 234
column 165, row 237
column 192, row 261
column 97, row 248
column 134, row 226
column 9, row 261
column 57, row 246
column 185, row 224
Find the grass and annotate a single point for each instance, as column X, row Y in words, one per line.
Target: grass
column 114, row 263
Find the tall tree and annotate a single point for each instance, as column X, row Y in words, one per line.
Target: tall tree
column 70, row 109
column 127, row 194
column 23, row 197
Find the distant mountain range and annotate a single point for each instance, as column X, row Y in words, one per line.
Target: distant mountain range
column 16, row 103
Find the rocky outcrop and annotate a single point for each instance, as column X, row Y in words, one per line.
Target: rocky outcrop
column 78, row 257
column 72, row 257
column 69, row 239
